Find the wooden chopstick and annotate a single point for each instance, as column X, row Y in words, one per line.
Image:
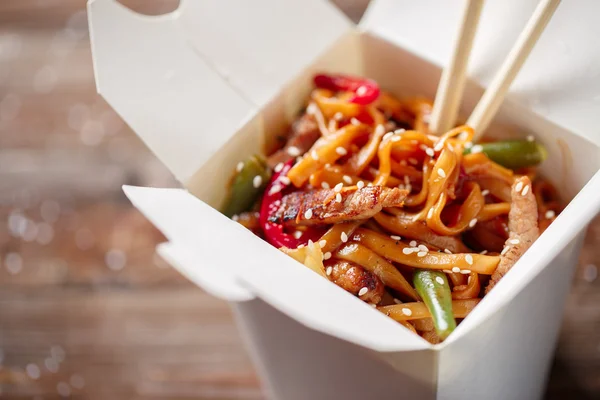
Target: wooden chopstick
column 491, row 100
column 452, row 83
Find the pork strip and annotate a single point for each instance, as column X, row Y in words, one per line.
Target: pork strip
column 353, row 278
column 321, row 207
column 303, row 134
column 522, row 226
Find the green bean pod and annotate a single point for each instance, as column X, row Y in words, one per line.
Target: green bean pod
column 513, row 154
column 246, row 186
column 434, row 289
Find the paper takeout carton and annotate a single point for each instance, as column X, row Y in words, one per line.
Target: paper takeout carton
column 213, row 82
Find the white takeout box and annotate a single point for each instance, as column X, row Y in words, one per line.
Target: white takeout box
column 213, row 82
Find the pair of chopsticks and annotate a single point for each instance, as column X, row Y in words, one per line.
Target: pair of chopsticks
column 452, row 82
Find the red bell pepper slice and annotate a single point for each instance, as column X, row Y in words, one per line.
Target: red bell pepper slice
column 274, row 233
column 366, row 91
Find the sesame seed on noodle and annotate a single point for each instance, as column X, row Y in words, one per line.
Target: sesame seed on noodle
column 338, row 187
column 395, row 237
column 257, row 181
column 447, row 271
column 472, row 222
column 293, row 151
column 485, row 192
column 235, row 217
column 328, row 271
column 370, row 184
column 308, row 213
column 469, row 259
column 341, row 151
column 439, row 280
column 455, row 269
column 484, row 252
column 355, row 122
column 360, row 184
column 518, row 186
column 407, row 250
column 407, row 311
column 447, row 251
column 399, row 131
column 429, row 151
column 525, row 190
column 322, row 243
column 476, row 149
column 421, row 254
column 338, row 116
column 338, row 197
column 387, row 136
column 344, row 237
column 505, row 250
column 363, row 291
column 438, row 146
column 468, row 145
column 278, row 167
column 325, row 185
column 396, row 138
column 430, row 213
column 422, row 247
column 514, row 241
column 239, row 166
column 311, row 109
column 347, row 179
column 327, row 256
column 314, row 155
column 379, row 129
column 413, row 243
column 550, row 214
column 441, row 172
column 465, row 271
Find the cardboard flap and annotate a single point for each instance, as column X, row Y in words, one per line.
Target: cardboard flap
column 172, row 98
column 560, row 80
column 229, row 261
column 259, row 45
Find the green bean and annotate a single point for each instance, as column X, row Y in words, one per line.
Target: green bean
column 434, row 289
column 513, row 154
column 247, row 185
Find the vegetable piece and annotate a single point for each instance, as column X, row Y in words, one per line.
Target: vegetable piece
column 513, row 154
column 274, row 233
column 366, row 91
column 434, row 289
column 246, row 186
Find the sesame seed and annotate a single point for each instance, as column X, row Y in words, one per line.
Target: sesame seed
column 338, row 187
column 407, row 250
column 298, row 234
column 518, row 186
column 285, row 180
column 397, row 301
column 379, row 129
column 439, row 280
column 308, row 213
column 441, row 172
column 344, row 237
column 275, row 189
column 514, row 241
column 327, row 256
column 550, row 214
column 430, row 213
column 525, row 190
column 257, row 181
column 505, row 250
column 407, row 311
column 447, row 271
column 341, row 151
column 472, row 222
column 311, row 109
column 293, row 151
column 240, row 166
column 347, row 179
column 395, row 237
column 484, row 252
column 387, row 136
column 465, row 271
column 476, row 149
column 399, row 131
column 447, row 251
column 338, row 197
column 468, row 145
column 429, row 151
column 485, row 192
column 363, row 291
column 300, row 247
column 421, row 254
column 530, row 138
column 360, row 184
column 325, row 185
column 413, row 243
column 422, row 247
column 455, row 269
column 235, row 217
column 438, row 146
column 310, row 243
column 361, row 91
column 370, row 184
column 413, row 161
column 338, row 116
column 396, row 138
column 355, row 122
column 469, row 259
column 314, row 155
column 278, row 167
column 328, row 271
column 322, row 243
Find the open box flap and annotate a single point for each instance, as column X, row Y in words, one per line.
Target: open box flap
column 561, row 78
column 260, row 45
column 229, row 261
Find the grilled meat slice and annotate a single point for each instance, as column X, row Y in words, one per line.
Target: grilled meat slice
column 355, row 279
column 324, row 206
column 303, row 134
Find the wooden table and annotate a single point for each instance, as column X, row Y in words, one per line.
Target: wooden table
column 85, row 307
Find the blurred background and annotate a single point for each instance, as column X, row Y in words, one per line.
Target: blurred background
column 86, row 309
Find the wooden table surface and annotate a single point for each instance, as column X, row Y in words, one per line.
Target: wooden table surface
column 85, row 308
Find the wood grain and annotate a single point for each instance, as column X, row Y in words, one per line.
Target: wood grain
column 130, row 327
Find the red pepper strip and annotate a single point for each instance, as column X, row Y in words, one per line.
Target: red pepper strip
column 271, row 201
column 366, row 91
